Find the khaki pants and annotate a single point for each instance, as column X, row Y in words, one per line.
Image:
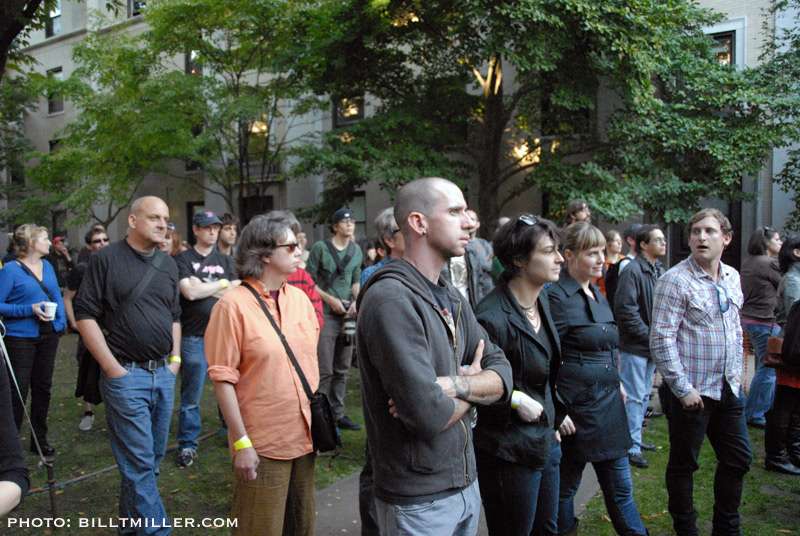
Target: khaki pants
column 280, row 501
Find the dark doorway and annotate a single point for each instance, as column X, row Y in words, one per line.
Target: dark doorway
column 679, row 240
column 253, row 206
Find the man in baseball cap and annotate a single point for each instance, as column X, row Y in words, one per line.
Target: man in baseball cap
column 205, row 275
column 335, row 266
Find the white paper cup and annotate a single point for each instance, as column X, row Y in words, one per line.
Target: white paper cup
column 50, row 309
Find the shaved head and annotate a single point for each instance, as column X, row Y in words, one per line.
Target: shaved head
column 145, row 201
column 419, row 195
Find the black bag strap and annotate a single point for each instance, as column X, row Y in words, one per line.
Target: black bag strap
column 133, row 296
column 28, row 271
column 295, row 364
column 341, row 264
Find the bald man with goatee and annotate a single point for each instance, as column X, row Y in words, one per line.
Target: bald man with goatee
column 128, row 313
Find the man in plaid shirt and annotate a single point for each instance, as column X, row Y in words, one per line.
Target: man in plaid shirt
column 696, row 343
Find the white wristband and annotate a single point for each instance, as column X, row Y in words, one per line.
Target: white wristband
column 516, row 396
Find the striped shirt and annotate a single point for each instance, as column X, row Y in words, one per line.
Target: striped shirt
column 302, row 280
column 693, row 343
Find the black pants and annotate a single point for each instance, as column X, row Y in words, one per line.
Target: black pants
column 33, row 360
column 782, row 435
column 722, row 421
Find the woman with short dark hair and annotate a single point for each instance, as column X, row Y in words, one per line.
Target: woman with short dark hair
column 760, row 279
column 516, row 447
column 588, row 383
column 259, row 391
column 32, row 334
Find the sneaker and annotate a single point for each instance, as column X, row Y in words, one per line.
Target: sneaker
column 346, row 423
column 637, row 460
column 87, row 421
column 185, row 457
column 651, row 413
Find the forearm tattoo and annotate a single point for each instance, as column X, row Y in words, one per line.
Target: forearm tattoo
column 462, row 387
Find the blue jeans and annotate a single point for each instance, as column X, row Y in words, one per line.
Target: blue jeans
column 614, row 477
column 193, row 377
column 762, row 388
column 519, row 500
column 723, row 422
column 637, row 376
column 457, row 515
column 138, row 412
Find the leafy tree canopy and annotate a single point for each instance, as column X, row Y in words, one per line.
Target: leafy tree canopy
column 621, row 103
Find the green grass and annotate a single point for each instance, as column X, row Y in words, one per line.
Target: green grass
column 770, row 502
column 203, row 490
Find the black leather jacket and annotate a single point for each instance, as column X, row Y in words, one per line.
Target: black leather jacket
column 500, row 432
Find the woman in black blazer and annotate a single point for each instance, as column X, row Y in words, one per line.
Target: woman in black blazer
column 515, row 444
column 588, row 383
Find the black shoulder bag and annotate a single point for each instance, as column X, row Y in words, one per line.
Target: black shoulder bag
column 324, row 432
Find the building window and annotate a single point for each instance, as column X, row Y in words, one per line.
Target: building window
column 17, row 176
column 724, row 47
column 347, row 111
column 136, row 7
column 254, row 205
column 52, row 25
column 55, row 103
column 53, row 145
column 358, row 206
column 60, row 222
column 192, row 66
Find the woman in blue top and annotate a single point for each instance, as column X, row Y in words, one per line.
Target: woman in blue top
column 31, row 336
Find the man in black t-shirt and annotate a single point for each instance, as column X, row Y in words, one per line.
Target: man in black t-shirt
column 205, row 275
column 132, row 341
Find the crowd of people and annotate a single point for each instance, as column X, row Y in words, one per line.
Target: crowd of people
column 491, row 372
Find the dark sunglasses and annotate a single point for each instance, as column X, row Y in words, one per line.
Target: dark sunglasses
column 289, row 247
column 99, row 240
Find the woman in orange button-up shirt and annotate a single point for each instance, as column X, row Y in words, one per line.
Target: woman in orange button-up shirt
column 259, row 392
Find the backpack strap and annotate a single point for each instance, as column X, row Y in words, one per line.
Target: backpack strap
column 341, row 264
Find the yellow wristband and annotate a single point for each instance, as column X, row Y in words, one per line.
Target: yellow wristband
column 224, row 283
column 175, row 358
column 243, row 443
column 515, row 398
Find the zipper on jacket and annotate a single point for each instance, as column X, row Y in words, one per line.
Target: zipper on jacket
column 466, row 442
column 458, row 366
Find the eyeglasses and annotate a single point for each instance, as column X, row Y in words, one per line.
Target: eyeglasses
column 528, row 219
column 99, row 240
column 289, row 247
column 722, row 292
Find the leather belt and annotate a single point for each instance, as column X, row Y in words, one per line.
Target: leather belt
column 151, row 365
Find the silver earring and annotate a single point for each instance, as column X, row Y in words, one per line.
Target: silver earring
column 424, row 232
